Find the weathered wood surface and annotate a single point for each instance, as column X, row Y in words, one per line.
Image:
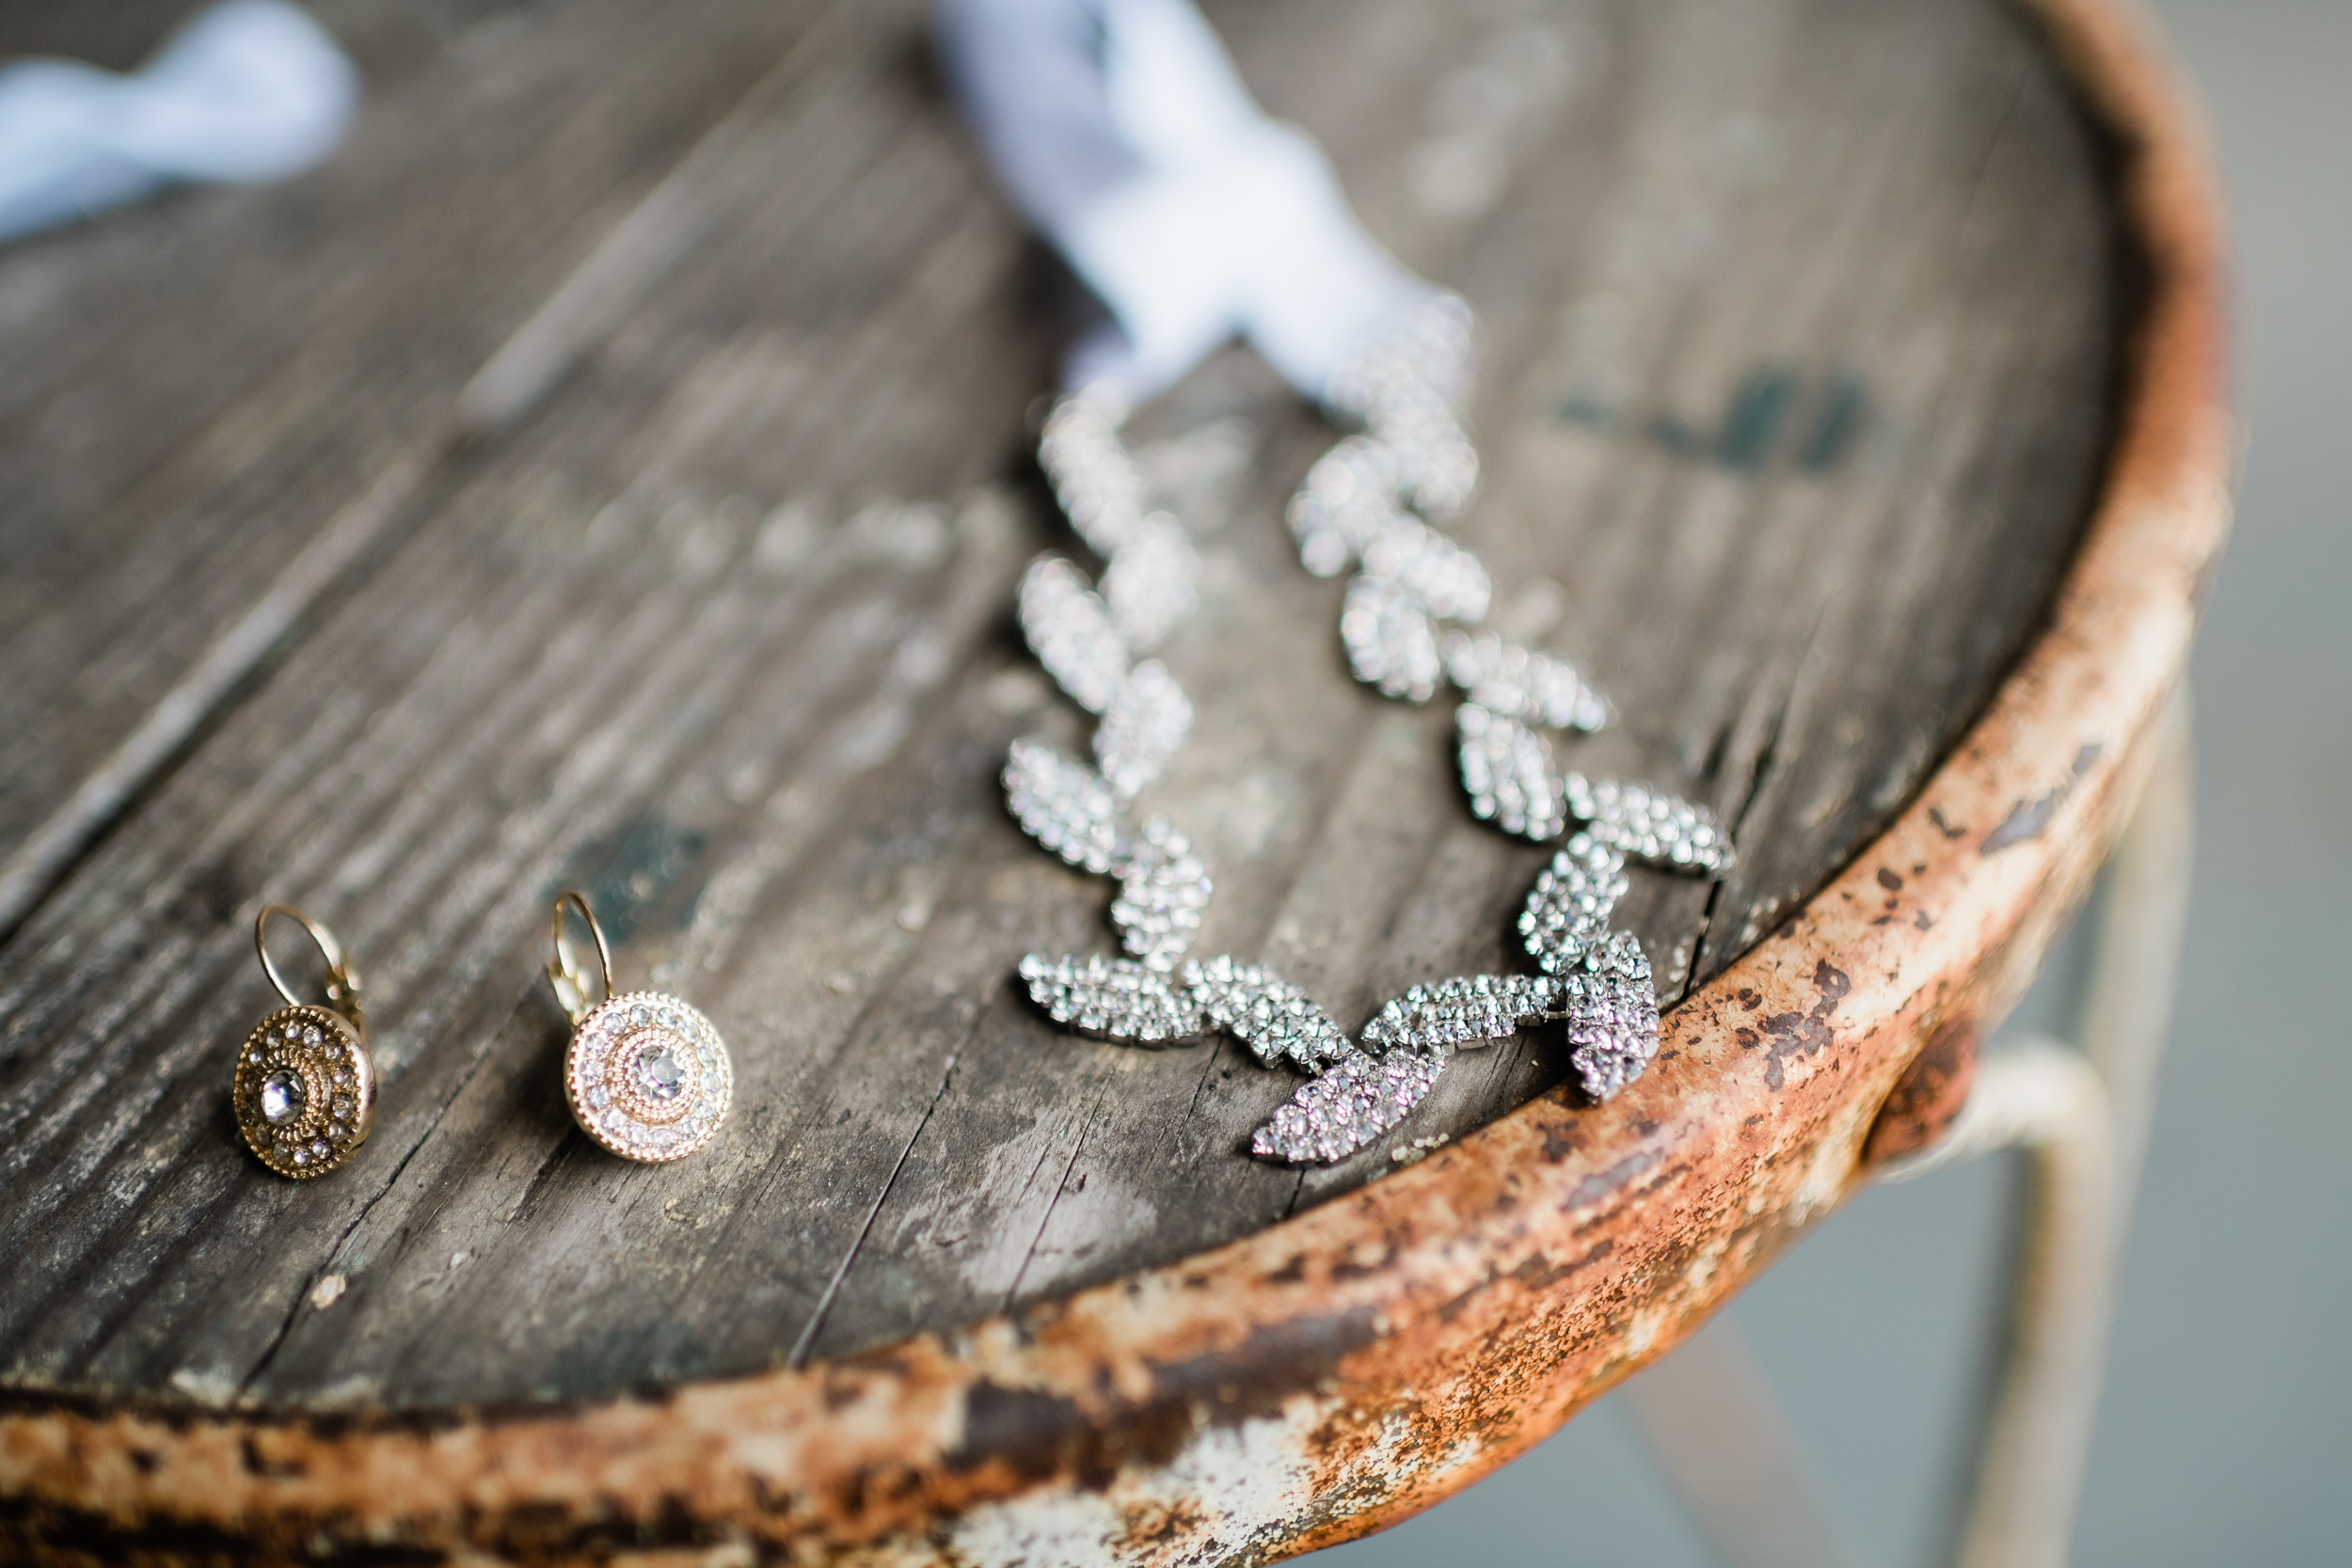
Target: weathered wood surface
column 1802, row 325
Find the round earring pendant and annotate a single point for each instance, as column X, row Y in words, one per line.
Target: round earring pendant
column 305, row 1091
column 648, row 1077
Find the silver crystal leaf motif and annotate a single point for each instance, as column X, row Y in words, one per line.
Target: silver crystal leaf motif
column 1347, row 498
column 1265, row 1012
column 1150, row 583
column 1357, row 1098
column 1163, row 886
column 1390, row 641
column 1450, row 583
column 1069, row 628
column 1612, row 1016
column 1506, row 770
column 1649, row 825
column 1094, row 476
column 1437, row 467
column 1112, row 999
column 1063, row 805
column 1533, row 688
column 1567, row 910
column 1142, row 729
column 1469, row 1011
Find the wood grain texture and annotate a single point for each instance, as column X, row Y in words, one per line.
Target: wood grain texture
column 190, row 390
column 1802, row 323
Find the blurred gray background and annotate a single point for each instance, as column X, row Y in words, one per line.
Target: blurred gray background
column 2225, row 1433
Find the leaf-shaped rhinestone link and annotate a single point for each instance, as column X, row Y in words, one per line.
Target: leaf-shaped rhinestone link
column 1506, row 771
column 1069, row 628
column 1349, row 497
column 1649, row 824
column 1469, row 1011
column 1390, row 641
column 1063, row 805
column 1435, row 464
column 1265, row 1012
column 1533, row 688
column 1356, row 1101
column 1094, row 476
column 1450, row 583
column 1112, row 998
column 1612, row 1017
column 1142, row 729
column 1568, row 909
column 1148, row 585
column 1163, row 886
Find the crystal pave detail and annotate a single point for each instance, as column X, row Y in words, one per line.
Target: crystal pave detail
column 648, row 1077
column 304, row 1091
column 1359, row 1099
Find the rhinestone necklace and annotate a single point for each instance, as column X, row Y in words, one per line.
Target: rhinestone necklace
column 1409, row 623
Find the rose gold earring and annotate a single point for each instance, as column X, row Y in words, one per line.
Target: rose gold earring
column 645, row 1075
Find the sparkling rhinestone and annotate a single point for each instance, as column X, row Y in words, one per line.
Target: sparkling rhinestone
column 283, row 1096
column 659, row 1072
column 311, row 1036
column 301, row 1156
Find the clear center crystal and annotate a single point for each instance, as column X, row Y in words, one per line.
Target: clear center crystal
column 658, row 1069
column 283, row 1096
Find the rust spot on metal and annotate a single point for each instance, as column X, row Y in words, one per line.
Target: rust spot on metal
column 1024, row 1428
column 1602, row 1183
column 1803, row 1034
column 1538, row 1271
column 2028, row 819
column 1929, row 1094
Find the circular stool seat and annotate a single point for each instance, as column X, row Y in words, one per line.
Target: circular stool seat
column 610, row 472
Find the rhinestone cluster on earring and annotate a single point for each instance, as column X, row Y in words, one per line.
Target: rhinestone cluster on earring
column 645, row 1075
column 304, row 1086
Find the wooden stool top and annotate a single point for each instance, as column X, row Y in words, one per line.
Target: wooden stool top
column 610, row 470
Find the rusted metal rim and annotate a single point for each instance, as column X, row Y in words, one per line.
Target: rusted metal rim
column 1365, row 1360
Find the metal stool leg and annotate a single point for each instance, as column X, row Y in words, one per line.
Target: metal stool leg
column 2081, row 1115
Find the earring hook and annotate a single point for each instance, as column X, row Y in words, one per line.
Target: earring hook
column 571, row 987
column 343, row 981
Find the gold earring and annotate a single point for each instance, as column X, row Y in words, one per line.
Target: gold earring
column 645, row 1075
column 305, row 1088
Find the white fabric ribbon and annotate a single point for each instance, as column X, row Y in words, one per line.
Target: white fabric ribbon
column 1121, row 131
column 249, row 90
